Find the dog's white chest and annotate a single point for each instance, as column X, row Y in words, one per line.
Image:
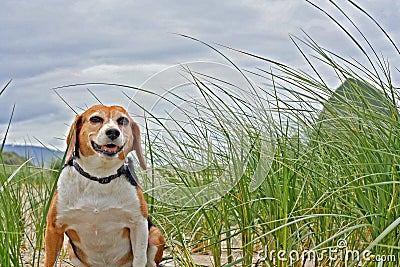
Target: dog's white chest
column 116, row 201
column 99, row 214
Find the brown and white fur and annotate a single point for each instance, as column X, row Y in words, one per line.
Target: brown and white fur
column 107, row 224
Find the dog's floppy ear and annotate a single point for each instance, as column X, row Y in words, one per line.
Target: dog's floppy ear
column 72, row 139
column 137, row 145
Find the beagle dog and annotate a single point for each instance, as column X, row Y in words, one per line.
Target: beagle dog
column 98, row 204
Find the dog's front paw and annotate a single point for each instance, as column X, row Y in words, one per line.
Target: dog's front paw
column 139, row 262
column 151, row 264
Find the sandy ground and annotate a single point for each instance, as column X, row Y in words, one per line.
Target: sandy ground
column 200, row 259
column 203, row 259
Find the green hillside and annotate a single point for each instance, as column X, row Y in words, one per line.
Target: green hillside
column 12, row 158
column 356, row 98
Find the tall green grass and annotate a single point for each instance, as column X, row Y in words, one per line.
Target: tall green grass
column 285, row 164
column 334, row 176
column 25, row 191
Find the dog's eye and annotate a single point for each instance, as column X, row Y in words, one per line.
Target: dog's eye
column 96, row 119
column 123, row 121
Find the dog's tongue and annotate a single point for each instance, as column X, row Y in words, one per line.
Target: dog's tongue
column 109, row 148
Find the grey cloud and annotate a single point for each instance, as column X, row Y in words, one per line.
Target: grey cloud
column 47, row 44
column 30, row 101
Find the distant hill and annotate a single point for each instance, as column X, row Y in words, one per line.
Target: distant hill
column 355, row 97
column 355, row 107
column 12, row 158
column 40, row 155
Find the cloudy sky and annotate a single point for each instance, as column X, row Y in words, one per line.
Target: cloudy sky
column 46, row 44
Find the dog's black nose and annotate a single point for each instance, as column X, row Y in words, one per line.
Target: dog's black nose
column 112, row 133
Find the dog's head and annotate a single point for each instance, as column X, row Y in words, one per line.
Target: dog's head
column 107, row 133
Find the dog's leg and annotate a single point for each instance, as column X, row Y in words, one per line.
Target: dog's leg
column 151, row 253
column 155, row 248
column 54, row 235
column 139, row 239
column 54, row 242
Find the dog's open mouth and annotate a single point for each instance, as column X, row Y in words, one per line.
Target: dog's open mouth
column 108, row 149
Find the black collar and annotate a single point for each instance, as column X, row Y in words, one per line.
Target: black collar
column 124, row 170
